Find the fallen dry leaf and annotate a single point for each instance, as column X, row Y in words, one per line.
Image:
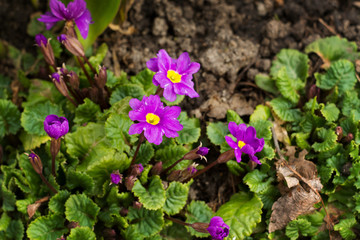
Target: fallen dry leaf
column 32, row 208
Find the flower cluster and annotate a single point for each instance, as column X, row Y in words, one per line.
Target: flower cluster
column 174, row 75
column 246, row 141
column 154, row 119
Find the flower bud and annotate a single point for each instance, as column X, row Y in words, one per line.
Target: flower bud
column 198, row 152
column 226, row 156
column 100, row 79
column 45, row 48
column 124, row 212
column 72, row 44
column 339, row 133
column 74, row 80
column 129, row 182
column 137, row 205
column 36, row 162
column 188, row 172
column 116, row 177
column 348, row 138
column 137, row 169
column 157, row 168
column 59, row 83
column 73, row 225
column 314, row 91
column 109, row 233
column 174, row 175
column 200, row 227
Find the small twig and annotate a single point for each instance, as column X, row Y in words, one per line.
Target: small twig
column 332, row 30
column 177, row 221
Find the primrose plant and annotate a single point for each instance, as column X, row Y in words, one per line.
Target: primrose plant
column 123, row 154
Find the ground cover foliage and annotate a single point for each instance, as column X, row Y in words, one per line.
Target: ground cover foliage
column 310, row 188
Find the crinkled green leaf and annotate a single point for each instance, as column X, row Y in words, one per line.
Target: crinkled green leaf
column 266, row 153
column 175, row 232
column 146, row 152
column 79, row 208
column 79, row 181
column 257, row 181
column 47, row 228
column 191, row 131
column 265, row 82
column 300, row 226
column 5, row 220
column 144, row 79
column 15, row 230
column 261, row 112
column 86, row 112
column 97, row 59
column 116, row 129
column 9, row 118
column 170, row 154
column 232, row 116
column 113, row 81
column 8, row 199
column 288, row 86
column 263, row 129
column 120, row 199
column 333, row 48
column 344, row 227
column 234, row 167
column 330, row 112
column 4, row 86
column 111, row 216
column 178, row 100
column 146, row 222
column 311, row 121
column 33, row 117
column 176, row 196
column 284, row 110
column 217, row 132
column 81, row 233
column 32, row 141
column 120, row 107
column 301, row 139
column 132, row 233
column 57, row 202
column 198, row 211
column 132, row 90
column 153, row 197
column 350, row 102
column 341, row 74
column 100, row 171
column 241, row 213
column 328, row 137
column 42, row 91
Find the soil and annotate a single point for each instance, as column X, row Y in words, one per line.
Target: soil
column 232, row 40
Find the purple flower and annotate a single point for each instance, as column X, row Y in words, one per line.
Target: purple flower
column 56, row 76
column 218, row 229
column 116, row 177
column 55, row 126
column 75, row 11
column 174, row 76
column 203, row 151
column 61, row 38
column 41, row 40
column 141, row 168
column 246, row 141
column 154, row 119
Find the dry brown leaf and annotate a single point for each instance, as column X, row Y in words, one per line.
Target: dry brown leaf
column 299, row 198
column 32, row 208
column 281, row 132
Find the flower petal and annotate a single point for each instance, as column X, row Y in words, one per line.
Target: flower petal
column 171, row 134
column 153, row 134
column 83, row 23
column 64, row 126
column 172, row 124
column 169, row 93
column 231, row 142
column 255, row 159
column 238, row 131
column 192, row 68
column 57, row 8
column 137, row 128
column 164, row 60
column 76, row 9
column 183, row 89
column 49, row 19
column 135, row 103
column 137, row 116
column 250, row 134
column 183, row 63
column 238, row 155
column 248, row 149
column 152, row 64
column 172, row 112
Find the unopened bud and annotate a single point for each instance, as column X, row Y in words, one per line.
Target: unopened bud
column 188, row 172
column 109, row 233
column 137, row 169
column 100, row 79
column 36, row 162
column 124, row 212
column 59, row 83
column 339, row 133
column 226, row 156
column 157, row 168
column 348, row 138
column 129, row 182
column 200, row 227
column 314, row 91
column 137, row 205
column 45, row 48
column 174, row 175
column 74, row 80
column 73, row 225
column 116, row 177
column 198, row 152
column 72, row 44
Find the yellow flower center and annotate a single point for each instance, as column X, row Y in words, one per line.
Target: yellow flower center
column 174, row 76
column 241, row 144
column 152, row 118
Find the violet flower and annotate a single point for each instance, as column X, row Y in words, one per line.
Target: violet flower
column 41, row 40
column 56, row 76
column 203, row 151
column 154, row 119
column 174, row 76
column 246, row 141
column 116, row 177
column 75, row 11
column 55, row 126
column 218, row 229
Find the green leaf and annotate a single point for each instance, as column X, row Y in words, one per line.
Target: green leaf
column 296, row 66
column 102, row 13
column 117, row 128
column 100, row 171
column 8, row 199
column 133, row 233
column 4, row 221
column 132, row 90
column 232, row 116
column 153, row 197
column 146, row 152
column 328, row 137
column 178, row 100
column 301, row 139
column 9, row 118
column 86, row 112
column 344, row 227
column 147, row 222
column 334, row 48
column 33, row 117
column 350, row 102
column 170, row 154
column 81, row 233
column 257, row 181
column 15, row 230
column 176, row 197
column 217, row 132
column 175, row 232
column 241, row 213
column 302, row 226
column 234, row 167
column 144, row 79
column 287, row 86
column 266, row 153
column 4, row 86
column 32, row 141
column 42, row 91
column 79, row 208
column 263, row 129
column 47, row 228
column 261, row 112
column 191, row 131
column 80, row 181
column 330, row 112
column 283, row 109
column 97, row 59
column 198, row 211
column 341, row 74
column 57, row 202
column 265, row 82
column 113, row 81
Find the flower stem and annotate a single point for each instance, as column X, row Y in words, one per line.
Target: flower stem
column 202, row 170
column 141, row 140
column 90, row 65
column 47, row 183
column 173, row 165
column 85, row 71
column 177, row 221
